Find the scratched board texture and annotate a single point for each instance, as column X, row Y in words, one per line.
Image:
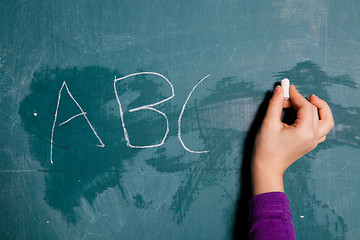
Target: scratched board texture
column 134, row 119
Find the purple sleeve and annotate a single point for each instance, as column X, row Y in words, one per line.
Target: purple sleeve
column 270, row 217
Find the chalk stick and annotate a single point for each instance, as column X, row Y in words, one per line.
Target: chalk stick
column 285, row 84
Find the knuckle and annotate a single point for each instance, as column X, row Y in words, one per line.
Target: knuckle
column 332, row 124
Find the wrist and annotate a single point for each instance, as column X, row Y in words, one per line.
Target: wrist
column 266, row 179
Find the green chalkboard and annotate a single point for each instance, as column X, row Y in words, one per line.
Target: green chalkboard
column 135, row 119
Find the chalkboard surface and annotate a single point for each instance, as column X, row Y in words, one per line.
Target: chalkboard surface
column 134, row 119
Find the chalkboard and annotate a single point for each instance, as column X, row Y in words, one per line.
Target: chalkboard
column 135, row 119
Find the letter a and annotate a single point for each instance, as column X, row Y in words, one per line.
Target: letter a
column 77, row 115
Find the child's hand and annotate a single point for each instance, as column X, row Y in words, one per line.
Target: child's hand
column 278, row 145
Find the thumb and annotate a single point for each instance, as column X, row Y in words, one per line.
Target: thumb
column 275, row 107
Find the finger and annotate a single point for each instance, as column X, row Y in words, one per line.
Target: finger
column 287, row 104
column 304, row 109
column 326, row 122
column 297, row 100
column 316, row 120
column 273, row 113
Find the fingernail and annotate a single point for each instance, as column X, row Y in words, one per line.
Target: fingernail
column 314, row 96
column 277, row 90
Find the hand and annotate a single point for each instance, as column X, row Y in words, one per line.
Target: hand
column 278, row 145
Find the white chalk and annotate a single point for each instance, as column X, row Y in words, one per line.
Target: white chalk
column 285, row 84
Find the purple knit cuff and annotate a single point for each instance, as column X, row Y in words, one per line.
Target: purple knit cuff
column 271, row 201
column 270, row 217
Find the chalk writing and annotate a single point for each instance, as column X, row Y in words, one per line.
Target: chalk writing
column 148, row 107
column 145, row 107
column 80, row 114
column 72, row 118
column 181, row 114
